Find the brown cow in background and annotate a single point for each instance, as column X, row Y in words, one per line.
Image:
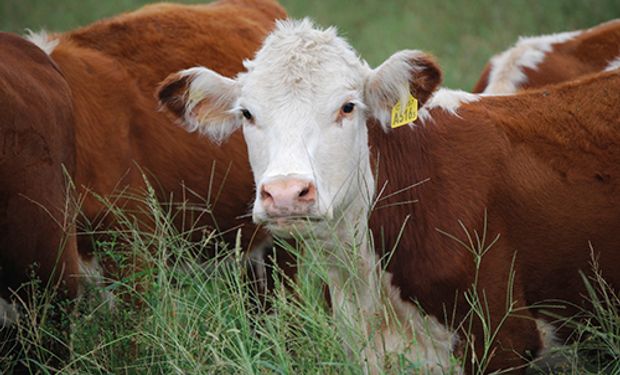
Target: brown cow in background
column 90, row 108
column 113, row 68
column 36, row 150
column 543, row 60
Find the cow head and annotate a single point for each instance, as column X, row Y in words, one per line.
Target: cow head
column 303, row 104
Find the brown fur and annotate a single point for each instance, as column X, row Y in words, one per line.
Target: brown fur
column 113, row 67
column 543, row 165
column 37, row 159
column 588, row 52
column 36, row 143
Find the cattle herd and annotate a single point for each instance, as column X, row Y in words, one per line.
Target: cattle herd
column 510, row 191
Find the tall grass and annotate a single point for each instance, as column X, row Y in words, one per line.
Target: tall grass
column 182, row 314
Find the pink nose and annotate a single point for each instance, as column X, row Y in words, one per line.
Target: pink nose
column 288, row 197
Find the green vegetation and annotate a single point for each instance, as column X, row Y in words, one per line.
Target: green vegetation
column 463, row 34
column 187, row 315
column 184, row 315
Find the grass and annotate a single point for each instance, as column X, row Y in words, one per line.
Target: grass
column 185, row 315
column 463, row 35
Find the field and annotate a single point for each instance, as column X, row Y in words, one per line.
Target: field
column 463, row 35
column 197, row 316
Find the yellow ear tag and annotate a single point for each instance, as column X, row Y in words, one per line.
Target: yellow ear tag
column 403, row 117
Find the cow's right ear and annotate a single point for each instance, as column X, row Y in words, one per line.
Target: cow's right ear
column 202, row 100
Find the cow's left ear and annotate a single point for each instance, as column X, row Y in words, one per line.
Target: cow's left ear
column 202, row 100
column 405, row 72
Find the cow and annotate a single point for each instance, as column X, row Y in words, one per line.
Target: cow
column 499, row 197
column 113, row 67
column 542, row 60
column 37, row 158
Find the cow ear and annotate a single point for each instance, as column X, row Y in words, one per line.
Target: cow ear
column 405, row 72
column 202, row 100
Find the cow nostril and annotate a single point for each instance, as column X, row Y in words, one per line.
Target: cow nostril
column 264, row 194
column 307, row 194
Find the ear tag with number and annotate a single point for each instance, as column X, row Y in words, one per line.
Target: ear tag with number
column 405, row 116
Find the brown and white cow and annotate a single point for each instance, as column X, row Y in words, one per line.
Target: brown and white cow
column 543, row 60
column 530, row 181
column 37, row 156
column 113, row 68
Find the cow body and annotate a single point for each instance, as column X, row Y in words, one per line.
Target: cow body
column 113, row 67
column 500, row 197
column 37, row 160
column 533, row 175
column 543, row 60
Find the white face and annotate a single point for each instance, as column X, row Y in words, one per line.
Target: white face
column 305, row 130
column 303, row 105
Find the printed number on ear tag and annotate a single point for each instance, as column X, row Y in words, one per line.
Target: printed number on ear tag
column 404, row 117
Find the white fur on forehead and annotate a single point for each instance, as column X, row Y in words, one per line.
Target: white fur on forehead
column 298, row 52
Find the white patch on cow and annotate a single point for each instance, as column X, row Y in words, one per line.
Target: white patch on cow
column 257, row 260
column 507, row 74
column 548, row 336
column 448, row 100
column 373, row 305
column 42, row 40
column 549, row 357
column 8, row 313
column 613, row 64
column 430, row 342
column 91, row 273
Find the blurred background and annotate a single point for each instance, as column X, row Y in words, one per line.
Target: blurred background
column 462, row 34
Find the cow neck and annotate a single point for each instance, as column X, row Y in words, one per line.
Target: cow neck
column 403, row 168
column 413, row 203
column 363, row 290
column 396, row 160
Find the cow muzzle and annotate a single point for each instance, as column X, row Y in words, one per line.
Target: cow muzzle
column 288, row 198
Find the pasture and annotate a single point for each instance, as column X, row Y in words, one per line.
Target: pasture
column 191, row 315
column 462, row 35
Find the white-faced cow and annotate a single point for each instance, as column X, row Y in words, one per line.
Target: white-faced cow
column 535, row 175
column 543, row 60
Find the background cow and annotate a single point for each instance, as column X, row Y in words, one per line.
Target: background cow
column 543, row 60
column 502, row 196
column 113, row 67
column 37, row 158
column 90, row 109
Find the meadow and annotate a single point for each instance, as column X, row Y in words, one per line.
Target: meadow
column 188, row 315
column 463, row 35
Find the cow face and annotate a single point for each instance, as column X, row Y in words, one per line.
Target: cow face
column 303, row 105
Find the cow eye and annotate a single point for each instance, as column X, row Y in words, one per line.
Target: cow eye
column 247, row 114
column 348, row 107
